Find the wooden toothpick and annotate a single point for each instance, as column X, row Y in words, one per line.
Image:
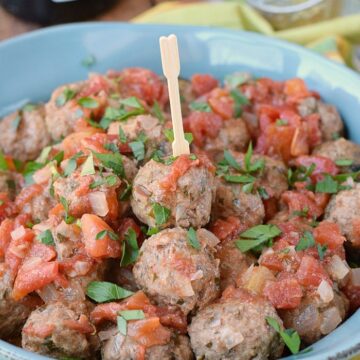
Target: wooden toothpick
column 171, row 68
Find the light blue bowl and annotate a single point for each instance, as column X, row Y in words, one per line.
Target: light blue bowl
column 32, row 65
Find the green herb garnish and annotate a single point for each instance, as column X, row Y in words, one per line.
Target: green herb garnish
column 111, row 234
column 46, row 238
column 130, row 248
column 161, row 214
column 192, row 239
column 103, row 291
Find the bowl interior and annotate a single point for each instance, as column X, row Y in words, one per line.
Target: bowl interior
column 32, row 65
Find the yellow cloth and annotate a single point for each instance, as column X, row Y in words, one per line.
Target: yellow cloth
column 331, row 38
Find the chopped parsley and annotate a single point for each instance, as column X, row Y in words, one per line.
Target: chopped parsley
column 156, row 110
column 15, row 123
column 263, row 193
column 3, row 164
column 344, row 162
column 126, row 315
column 290, row 337
column 108, row 180
column 103, row 291
column 72, row 164
column 239, row 101
column 138, row 149
column 130, row 248
column 122, row 136
column 328, row 185
column 46, row 238
column 321, row 250
column 304, row 213
column 111, row 234
column 64, row 97
column 113, row 162
column 257, row 237
column 281, row 122
column 306, row 241
column 161, row 214
column 132, row 102
column 200, row 106
column 126, row 193
column 88, row 102
column 68, row 218
column 192, row 239
column 235, row 80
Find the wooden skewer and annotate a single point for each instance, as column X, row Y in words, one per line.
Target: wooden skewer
column 171, row 68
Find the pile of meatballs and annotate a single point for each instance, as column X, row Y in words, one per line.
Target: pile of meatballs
column 112, row 248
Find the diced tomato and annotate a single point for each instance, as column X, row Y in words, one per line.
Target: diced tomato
column 272, row 261
column 203, row 125
column 329, row 234
column 42, row 251
column 27, row 194
column 221, row 103
column 82, row 325
column 284, row 294
column 296, row 89
column 149, row 332
column 323, row 165
column 6, row 227
column 299, row 200
column 34, row 274
column 203, row 83
column 311, row 272
column 38, row 329
column 231, row 292
column 128, row 223
column 72, row 144
column 352, row 292
column 78, row 265
column 271, row 206
column 227, row 228
column 94, row 85
column 178, row 168
column 22, row 220
column 172, row 317
column 102, row 248
column 299, row 144
column 142, row 83
column 18, row 250
column 6, row 206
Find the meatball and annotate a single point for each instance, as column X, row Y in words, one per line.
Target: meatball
column 143, row 125
column 51, row 330
column 24, row 134
column 344, row 210
column 38, row 204
column 314, row 318
column 13, row 314
column 233, row 135
column 233, row 263
column 341, row 149
column 189, row 200
column 331, row 124
column 172, row 272
column 235, row 328
column 120, row 347
column 231, row 200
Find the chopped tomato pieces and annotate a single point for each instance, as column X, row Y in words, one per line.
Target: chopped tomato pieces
column 42, row 251
column 284, row 294
column 34, row 274
column 104, row 247
column 27, row 194
column 311, row 272
column 296, row 89
column 221, row 103
column 40, row 330
column 149, row 332
column 227, row 228
column 272, row 261
column 6, row 227
column 203, row 83
column 82, row 325
column 203, row 125
column 329, row 234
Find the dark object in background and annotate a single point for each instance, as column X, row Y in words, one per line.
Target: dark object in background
column 49, row 12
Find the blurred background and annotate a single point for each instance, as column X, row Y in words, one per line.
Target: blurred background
column 330, row 27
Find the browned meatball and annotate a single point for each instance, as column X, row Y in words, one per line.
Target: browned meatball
column 233, row 263
column 235, row 329
column 120, row 347
column 331, row 124
column 24, row 134
column 143, row 125
column 339, row 150
column 231, row 200
column 344, row 209
column 315, row 318
column 13, row 314
column 189, row 203
column 49, row 331
column 172, row 272
column 233, row 135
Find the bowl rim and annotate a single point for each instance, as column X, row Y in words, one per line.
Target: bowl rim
column 350, row 76
column 283, row 9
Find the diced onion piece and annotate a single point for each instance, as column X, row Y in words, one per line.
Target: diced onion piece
column 185, row 290
column 107, row 334
column 337, row 268
column 48, row 293
column 99, row 203
column 325, row 291
column 229, row 337
column 258, row 278
column 331, row 319
column 42, row 175
column 355, row 277
column 18, row 233
column 197, row 275
column 211, row 239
